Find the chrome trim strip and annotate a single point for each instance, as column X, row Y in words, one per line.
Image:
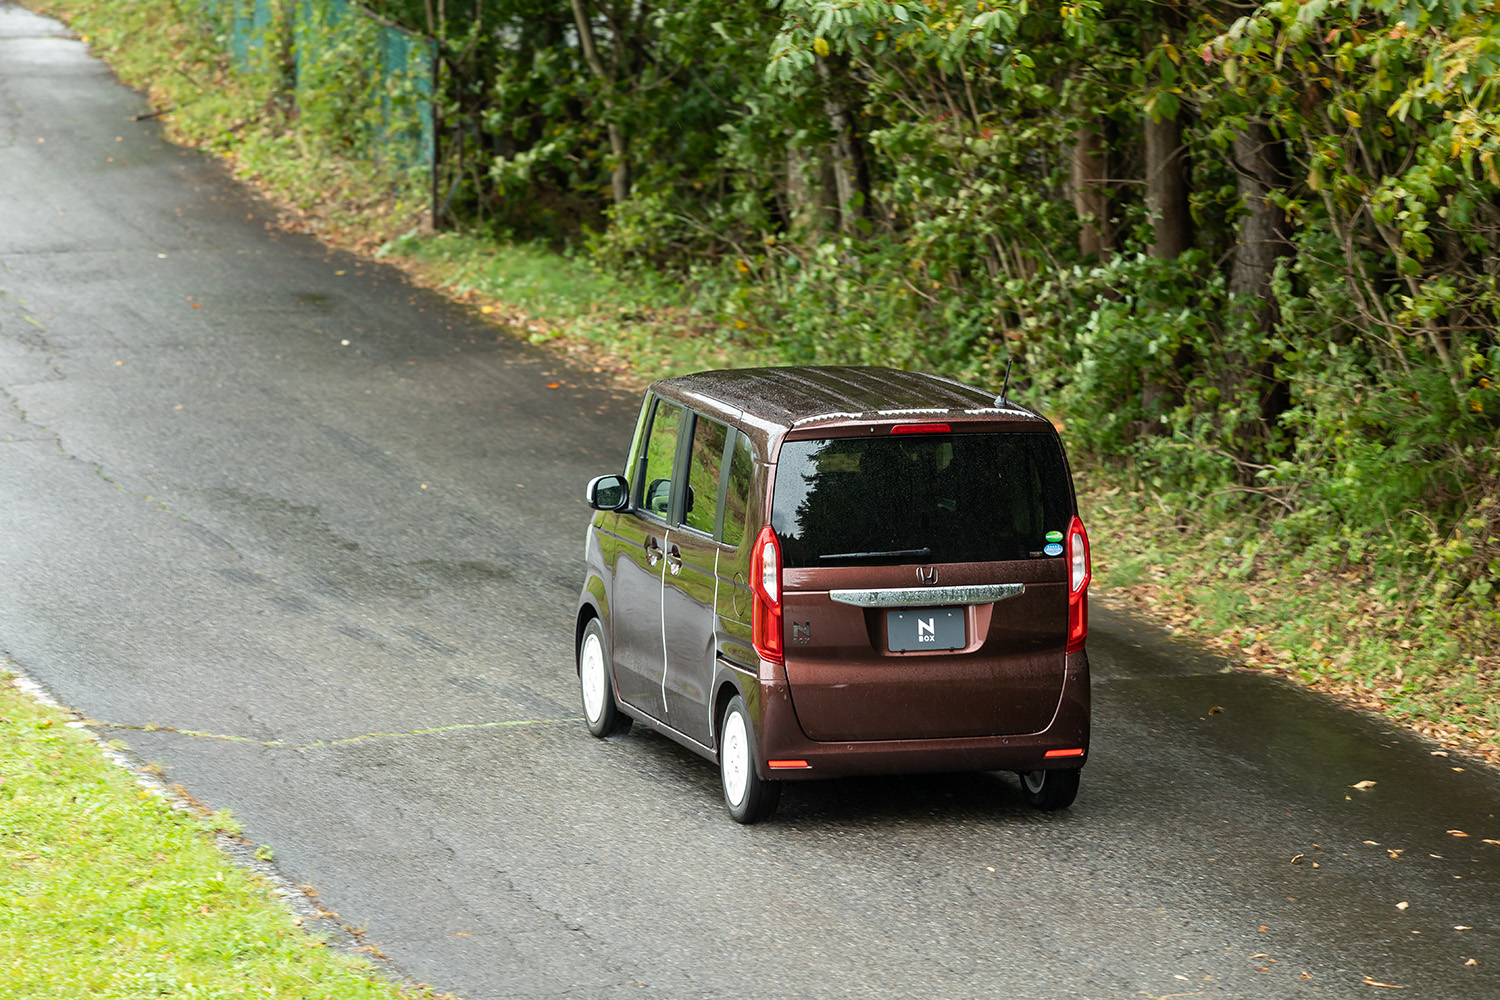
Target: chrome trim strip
column 913, row 597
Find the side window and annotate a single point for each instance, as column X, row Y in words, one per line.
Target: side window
column 737, row 491
column 655, row 484
column 637, row 440
column 707, row 458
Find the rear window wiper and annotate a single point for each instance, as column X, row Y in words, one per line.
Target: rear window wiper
column 925, row 551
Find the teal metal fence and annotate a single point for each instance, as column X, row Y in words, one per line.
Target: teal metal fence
column 349, row 72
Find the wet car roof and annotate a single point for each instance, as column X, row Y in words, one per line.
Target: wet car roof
column 798, row 395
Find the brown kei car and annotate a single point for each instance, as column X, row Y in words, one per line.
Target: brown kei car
column 813, row 572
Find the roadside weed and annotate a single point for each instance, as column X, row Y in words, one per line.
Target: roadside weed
column 107, row 893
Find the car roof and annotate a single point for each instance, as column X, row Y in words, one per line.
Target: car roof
column 783, row 398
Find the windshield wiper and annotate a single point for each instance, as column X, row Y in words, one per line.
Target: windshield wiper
column 924, row 551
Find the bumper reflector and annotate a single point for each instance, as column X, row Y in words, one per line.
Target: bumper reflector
column 1076, row 752
column 784, row 765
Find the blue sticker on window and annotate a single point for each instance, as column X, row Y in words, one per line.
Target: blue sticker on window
column 1053, row 549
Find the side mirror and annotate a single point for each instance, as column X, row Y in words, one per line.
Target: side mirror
column 607, row 493
column 658, row 496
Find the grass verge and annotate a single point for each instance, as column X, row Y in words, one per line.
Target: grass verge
column 1348, row 631
column 106, row 891
column 1358, row 632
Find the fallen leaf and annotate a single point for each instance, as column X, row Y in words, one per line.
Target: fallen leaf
column 553, row 385
column 1457, row 833
column 1402, row 905
column 1372, row 843
column 1298, row 858
column 1261, row 955
column 1472, row 961
column 1389, row 986
column 1461, row 927
column 1215, row 710
column 1362, row 785
column 1495, row 842
column 1440, row 753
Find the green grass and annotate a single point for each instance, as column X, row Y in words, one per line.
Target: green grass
column 638, row 330
column 1346, row 630
column 108, row 892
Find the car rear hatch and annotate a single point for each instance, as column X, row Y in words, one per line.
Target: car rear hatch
column 924, row 586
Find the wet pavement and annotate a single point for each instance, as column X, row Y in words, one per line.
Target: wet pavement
column 359, row 561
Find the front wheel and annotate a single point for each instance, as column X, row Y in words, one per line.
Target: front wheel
column 596, row 685
column 748, row 797
column 1050, row 790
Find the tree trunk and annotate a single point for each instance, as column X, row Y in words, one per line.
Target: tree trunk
column 1090, row 194
column 810, row 188
column 619, row 144
column 1260, row 163
column 851, row 177
column 1167, row 188
column 1171, row 234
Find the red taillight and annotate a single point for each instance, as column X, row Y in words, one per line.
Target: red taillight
column 793, row 765
column 1079, row 573
column 1076, row 752
column 765, row 585
column 920, row 429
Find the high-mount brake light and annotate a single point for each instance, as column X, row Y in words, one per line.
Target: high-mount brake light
column 765, row 586
column 921, row 429
column 1080, row 572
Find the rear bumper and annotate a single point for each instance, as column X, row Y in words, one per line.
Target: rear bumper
column 782, row 739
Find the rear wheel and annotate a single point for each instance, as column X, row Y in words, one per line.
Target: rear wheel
column 1050, row 790
column 748, row 797
column 596, row 684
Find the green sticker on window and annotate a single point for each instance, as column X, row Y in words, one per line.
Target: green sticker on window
column 1054, row 536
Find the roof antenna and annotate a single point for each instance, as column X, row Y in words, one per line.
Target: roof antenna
column 1006, row 387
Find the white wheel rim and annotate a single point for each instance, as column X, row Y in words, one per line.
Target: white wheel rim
column 735, row 758
column 591, row 676
column 1034, row 780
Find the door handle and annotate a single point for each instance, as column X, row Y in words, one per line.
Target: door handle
column 674, row 559
column 653, row 550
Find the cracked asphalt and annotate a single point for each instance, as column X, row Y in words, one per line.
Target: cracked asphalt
column 329, row 587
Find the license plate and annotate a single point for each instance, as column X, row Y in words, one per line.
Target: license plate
column 925, row 628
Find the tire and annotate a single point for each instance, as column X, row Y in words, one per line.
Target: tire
column 747, row 796
column 596, row 684
column 1050, row 790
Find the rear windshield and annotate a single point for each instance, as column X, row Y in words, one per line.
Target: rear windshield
column 919, row 499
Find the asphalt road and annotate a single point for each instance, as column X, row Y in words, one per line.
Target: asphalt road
column 253, row 488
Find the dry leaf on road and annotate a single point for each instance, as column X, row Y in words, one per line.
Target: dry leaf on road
column 1362, row 785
